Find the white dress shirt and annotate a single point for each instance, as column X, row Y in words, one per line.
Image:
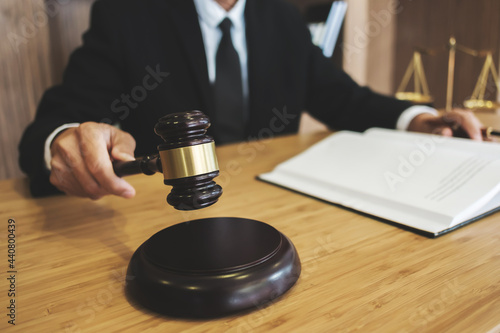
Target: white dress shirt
column 210, row 15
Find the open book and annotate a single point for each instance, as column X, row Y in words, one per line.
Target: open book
column 427, row 183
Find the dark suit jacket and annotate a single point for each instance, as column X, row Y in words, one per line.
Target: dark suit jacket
column 142, row 59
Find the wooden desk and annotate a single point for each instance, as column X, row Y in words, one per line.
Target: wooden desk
column 358, row 274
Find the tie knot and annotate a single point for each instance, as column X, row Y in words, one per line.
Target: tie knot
column 225, row 25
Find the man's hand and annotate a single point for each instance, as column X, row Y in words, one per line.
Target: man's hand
column 81, row 160
column 457, row 122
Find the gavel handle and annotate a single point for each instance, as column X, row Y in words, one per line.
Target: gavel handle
column 147, row 165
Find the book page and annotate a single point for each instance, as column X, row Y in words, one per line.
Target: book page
column 480, row 154
column 428, row 142
column 417, row 181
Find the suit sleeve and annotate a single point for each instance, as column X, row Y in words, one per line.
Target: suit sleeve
column 334, row 98
column 92, row 80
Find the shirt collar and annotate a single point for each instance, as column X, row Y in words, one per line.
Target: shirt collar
column 210, row 12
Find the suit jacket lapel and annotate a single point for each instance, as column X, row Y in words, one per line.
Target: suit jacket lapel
column 185, row 19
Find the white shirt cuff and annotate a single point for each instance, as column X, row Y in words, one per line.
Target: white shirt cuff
column 407, row 116
column 46, row 154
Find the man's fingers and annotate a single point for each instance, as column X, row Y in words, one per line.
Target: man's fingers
column 458, row 122
column 95, row 143
column 471, row 125
column 443, row 130
column 63, row 177
column 73, row 166
column 123, row 145
column 81, row 161
column 464, row 122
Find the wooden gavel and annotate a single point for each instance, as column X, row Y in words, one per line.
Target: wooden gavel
column 186, row 158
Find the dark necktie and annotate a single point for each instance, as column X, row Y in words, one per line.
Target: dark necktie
column 228, row 91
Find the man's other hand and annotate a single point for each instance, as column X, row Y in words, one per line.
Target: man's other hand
column 457, row 122
column 82, row 158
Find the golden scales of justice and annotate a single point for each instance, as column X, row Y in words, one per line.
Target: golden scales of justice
column 421, row 94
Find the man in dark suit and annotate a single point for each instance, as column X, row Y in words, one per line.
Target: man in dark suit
column 143, row 59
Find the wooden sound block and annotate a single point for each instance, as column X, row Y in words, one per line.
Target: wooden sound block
column 212, row 268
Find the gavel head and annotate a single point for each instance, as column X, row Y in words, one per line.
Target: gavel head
column 188, row 160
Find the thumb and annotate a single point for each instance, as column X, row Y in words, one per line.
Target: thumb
column 122, row 145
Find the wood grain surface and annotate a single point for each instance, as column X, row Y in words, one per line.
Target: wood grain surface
column 359, row 274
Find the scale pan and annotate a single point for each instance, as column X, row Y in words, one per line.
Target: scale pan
column 414, row 97
column 481, row 104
